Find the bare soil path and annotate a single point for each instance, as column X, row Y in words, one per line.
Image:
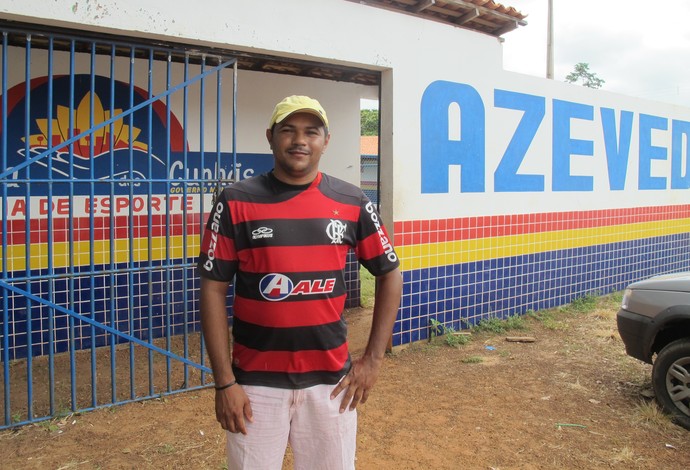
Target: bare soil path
column 571, row 399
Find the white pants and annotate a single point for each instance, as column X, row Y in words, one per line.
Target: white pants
column 319, row 435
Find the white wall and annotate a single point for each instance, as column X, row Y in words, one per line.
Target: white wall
column 258, row 93
column 412, row 54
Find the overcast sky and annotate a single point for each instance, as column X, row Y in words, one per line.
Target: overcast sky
column 640, row 48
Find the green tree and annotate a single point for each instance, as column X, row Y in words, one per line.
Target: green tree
column 582, row 73
column 369, row 121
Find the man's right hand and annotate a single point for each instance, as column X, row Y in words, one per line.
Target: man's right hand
column 232, row 407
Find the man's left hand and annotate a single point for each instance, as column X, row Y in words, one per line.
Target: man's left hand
column 358, row 382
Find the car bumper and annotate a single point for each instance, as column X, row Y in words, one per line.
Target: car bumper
column 635, row 331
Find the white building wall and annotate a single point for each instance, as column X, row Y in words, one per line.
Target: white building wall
column 586, row 217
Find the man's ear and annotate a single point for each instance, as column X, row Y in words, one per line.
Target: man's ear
column 328, row 138
column 269, row 137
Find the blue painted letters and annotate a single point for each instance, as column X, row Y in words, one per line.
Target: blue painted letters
column 617, row 149
column 439, row 150
column 506, row 177
column 454, row 134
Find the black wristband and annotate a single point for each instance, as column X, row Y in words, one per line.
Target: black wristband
column 223, row 387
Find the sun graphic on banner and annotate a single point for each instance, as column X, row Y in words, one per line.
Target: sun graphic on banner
column 117, row 135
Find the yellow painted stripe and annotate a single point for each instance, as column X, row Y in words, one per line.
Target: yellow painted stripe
column 16, row 254
column 463, row 251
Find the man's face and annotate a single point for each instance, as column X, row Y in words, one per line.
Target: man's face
column 297, row 143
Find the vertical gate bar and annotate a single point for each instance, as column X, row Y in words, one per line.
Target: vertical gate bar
column 201, row 172
column 27, row 232
column 113, row 290
column 149, row 218
column 51, row 267
column 92, row 231
column 5, row 300
column 218, row 124
column 234, row 123
column 219, row 107
column 166, row 285
column 130, row 274
column 185, row 253
column 72, row 361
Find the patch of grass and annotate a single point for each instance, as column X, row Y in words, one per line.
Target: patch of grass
column 50, row 426
column 452, row 339
column 614, row 299
column 584, row 304
column 649, row 414
column 624, row 455
column 472, row 360
column 548, row 318
column 499, row 326
column 455, row 340
column 367, row 288
column 491, row 325
column 166, row 449
column 516, row 322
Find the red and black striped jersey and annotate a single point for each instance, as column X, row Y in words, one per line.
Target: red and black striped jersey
column 286, row 246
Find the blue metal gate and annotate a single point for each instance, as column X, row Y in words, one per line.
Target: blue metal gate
column 110, row 152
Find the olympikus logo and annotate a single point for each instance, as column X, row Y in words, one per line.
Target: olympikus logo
column 275, row 287
column 385, row 243
column 215, row 228
column 262, row 232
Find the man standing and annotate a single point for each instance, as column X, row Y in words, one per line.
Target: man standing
column 284, row 237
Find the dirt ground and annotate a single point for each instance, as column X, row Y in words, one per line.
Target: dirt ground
column 571, row 399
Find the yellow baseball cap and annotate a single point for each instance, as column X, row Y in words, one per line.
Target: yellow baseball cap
column 293, row 104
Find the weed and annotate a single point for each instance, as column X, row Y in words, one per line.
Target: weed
column 472, row 360
column 499, row 326
column 546, row 318
column 492, row 325
column 436, row 328
column 624, row 455
column 49, row 426
column 515, row 322
column 583, row 304
column 648, row 413
column 166, row 449
column 614, row 299
column 17, row 417
column 452, row 339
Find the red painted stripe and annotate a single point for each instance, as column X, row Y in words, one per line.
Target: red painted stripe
column 415, row 232
column 289, row 314
column 251, row 360
column 38, row 228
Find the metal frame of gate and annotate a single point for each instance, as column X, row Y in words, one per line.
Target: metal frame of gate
column 87, row 296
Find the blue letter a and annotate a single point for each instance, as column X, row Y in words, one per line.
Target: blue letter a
column 453, row 133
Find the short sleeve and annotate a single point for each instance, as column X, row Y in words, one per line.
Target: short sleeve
column 374, row 247
column 218, row 257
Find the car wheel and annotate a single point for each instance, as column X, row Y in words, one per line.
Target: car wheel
column 671, row 380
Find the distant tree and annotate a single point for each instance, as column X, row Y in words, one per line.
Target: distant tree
column 369, row 121
column 582, row 73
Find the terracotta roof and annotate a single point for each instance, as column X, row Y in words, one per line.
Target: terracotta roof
column 484, row 16
column 369, row 145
